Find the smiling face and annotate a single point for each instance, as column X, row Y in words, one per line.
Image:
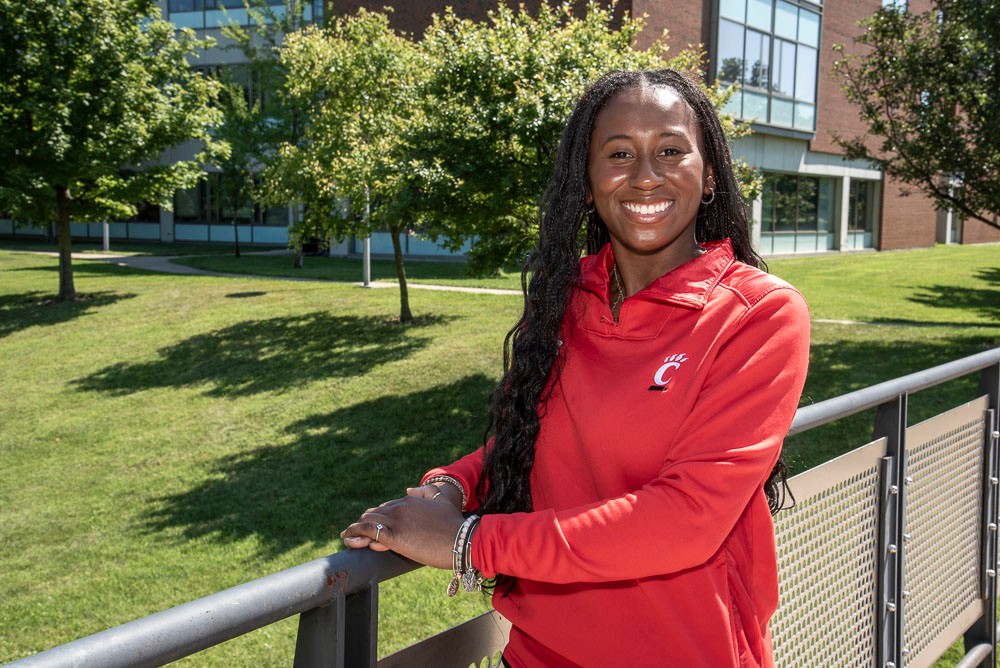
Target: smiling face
column 646, row 176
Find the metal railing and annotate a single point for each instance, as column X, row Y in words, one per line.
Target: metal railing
column 905, row 529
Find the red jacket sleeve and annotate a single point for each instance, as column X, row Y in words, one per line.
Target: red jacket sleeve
column 724, row 451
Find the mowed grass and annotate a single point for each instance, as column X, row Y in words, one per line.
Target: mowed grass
column 168, row 437
column 349, row 269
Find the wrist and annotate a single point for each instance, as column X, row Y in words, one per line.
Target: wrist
column 451, row 489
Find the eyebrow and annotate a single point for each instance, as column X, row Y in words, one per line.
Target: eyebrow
column 663, row 135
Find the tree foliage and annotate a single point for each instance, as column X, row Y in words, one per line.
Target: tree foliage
column 926, row 89
column 258, row 116
column 91, row 93
column 356, row 81
column 495, row 101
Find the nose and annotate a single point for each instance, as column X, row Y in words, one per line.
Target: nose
column 646, row 174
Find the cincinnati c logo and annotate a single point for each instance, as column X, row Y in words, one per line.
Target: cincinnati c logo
column 660, row 378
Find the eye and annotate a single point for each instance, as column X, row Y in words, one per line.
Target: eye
column 620, row 155
column 671, row 152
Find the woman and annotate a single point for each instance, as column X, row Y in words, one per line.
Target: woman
column 624, row 495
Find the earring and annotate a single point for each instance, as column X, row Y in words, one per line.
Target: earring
column 711, row 197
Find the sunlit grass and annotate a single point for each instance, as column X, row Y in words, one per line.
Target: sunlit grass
column 167, row 437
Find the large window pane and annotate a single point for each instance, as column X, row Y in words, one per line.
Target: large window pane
column 758, row 60
column 783, row 72
column 754, row 106
column 730, row 51
column 824, row 206
column 735, row 104
column 785, row 201
column 781, row 112
column 184, row 5
column 786, row 20
column 759, row 14
column 733, row 9
column 805, row 116
column 809, row 27
column 808, row 197
column 805, row 74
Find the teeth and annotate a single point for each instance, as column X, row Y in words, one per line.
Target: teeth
column 647, row 209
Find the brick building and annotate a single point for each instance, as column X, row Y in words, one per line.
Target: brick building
column 780, row 51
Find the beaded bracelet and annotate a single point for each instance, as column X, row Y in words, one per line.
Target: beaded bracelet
column 461, row 565
column 452, row 481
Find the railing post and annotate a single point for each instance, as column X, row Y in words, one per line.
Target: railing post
column 361, row 649
column 890, row 423
column 320, row 639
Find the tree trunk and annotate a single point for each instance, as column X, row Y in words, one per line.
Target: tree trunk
column 67, row 291
column 404, row 296
column 236, row 236
column 299, row 255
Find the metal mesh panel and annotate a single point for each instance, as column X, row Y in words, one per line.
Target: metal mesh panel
column 943, row 520
column 827, row 546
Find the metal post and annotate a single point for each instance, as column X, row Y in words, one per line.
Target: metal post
column 362, row 629
column 106, row 233
column 320, row 640
column 366, row 257
column 890, row 423
column 984, row 631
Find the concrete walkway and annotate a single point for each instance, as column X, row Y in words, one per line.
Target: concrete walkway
column 165, row 264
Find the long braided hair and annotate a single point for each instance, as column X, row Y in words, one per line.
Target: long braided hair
column 532, row 345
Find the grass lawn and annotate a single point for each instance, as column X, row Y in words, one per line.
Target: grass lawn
column 171, row 436
column 349, row 269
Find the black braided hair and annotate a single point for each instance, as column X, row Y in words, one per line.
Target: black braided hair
column 531, row 347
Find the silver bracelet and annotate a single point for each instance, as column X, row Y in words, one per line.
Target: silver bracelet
column 461, row 565
column 452, row 481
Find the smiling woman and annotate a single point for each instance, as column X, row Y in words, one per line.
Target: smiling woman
column 620, row 506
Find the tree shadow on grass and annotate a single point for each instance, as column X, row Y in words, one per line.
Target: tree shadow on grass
column 263, row 355
column 984, row 301
column 38, row 308
column 338, row 464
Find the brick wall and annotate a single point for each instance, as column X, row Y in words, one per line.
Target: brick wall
column 908, row 220
column 978, row 232
column 687, row 25
column 834, row 114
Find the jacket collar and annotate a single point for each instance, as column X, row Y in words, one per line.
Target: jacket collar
column 689, row 285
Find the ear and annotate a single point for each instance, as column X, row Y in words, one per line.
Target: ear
column 709, row 180
column 588, row 197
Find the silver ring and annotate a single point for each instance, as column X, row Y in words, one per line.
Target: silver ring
column 378, row 530
column 435, row 496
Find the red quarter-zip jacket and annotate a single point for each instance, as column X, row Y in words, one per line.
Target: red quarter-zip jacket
column 650, row 543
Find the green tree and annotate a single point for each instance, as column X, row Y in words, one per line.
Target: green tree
column 357, row 80
column 258, row 115
column 91, row 93
column 495, row 104
column 925, row 86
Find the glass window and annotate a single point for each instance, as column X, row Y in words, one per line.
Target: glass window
column 184, row 5
column 757, row 59
column 796, row 203
column 860, row 206
column 786, row 20
column 805, row 73
column 730, row 52
column 809, row 27
column 759, row 14
column 773, row 52
column 755, row 106
column 734, row 9
column 805, row 116
column 783, row 80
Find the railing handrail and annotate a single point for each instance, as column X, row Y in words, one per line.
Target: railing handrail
column 828, row 410
column 208, row 621
column 191, row 627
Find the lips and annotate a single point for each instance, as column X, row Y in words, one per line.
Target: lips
column 650, row 209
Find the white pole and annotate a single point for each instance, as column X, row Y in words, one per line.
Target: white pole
column 107, row 236
column 366, row 257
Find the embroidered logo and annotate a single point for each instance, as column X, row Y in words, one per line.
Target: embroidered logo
column 660, row 378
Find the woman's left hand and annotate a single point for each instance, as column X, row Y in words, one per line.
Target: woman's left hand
column 416, row 527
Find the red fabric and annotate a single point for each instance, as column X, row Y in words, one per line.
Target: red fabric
column 651, row 543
